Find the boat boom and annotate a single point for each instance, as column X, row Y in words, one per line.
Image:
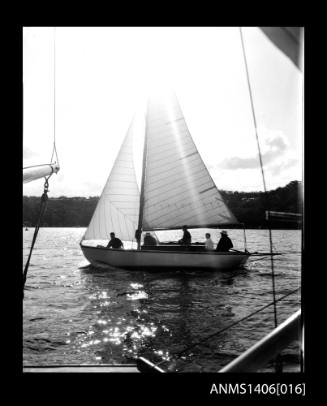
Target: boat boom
column 40, row 171
column 268, row 347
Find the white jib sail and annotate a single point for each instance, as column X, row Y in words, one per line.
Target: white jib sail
column 178, row 188
column 118, row 208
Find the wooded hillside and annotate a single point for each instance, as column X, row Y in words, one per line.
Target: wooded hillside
column 248, row 207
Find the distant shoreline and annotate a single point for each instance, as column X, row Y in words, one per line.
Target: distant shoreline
column 249, row 208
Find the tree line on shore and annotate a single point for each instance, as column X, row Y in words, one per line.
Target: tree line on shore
column 248, row 207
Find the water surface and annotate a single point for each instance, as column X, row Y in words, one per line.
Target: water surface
column 76, row 314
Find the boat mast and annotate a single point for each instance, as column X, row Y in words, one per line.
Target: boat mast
column 138, row 233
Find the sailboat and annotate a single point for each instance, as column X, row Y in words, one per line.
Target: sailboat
column 176, row 190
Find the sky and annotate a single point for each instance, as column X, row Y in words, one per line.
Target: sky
column 103, row 74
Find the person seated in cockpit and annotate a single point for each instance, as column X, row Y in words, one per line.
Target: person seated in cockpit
column 115, row 242
column 149, row 240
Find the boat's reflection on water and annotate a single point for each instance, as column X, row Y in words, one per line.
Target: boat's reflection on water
column 155, row 314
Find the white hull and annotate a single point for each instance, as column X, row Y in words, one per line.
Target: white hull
column 133, row 259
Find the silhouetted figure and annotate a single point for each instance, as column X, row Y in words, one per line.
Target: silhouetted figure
column 225, row 243
column 114, row 242
column 187, row 238
column 208, row 243
column 149, row 239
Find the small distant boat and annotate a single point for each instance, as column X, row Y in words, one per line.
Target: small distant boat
column 176, row 189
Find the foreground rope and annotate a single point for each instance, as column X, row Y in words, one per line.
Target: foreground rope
column 44, row 199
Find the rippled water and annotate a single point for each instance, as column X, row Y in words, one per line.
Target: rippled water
column 77, row 314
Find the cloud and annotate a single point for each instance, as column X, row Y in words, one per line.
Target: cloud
column 278, row 143
column 278, row 168
column 274, row 146
column 28, row 153
column 239, row 163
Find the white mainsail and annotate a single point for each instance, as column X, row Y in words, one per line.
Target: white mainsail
column 178, row 188
column 118, row 208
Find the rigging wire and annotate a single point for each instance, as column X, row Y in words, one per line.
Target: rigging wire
column 44, row 200
column 262, row 173
column 54, row 149
column 44, row 197
column 302, row 234
column 178, row 354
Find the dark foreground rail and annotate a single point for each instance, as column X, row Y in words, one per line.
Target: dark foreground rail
column 267, row 348
column 103, row 368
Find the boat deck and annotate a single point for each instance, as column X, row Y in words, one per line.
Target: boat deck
column 196, row 247
column 174, row 247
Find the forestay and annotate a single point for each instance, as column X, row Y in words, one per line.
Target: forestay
column 178, row 188
column 118, row 208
